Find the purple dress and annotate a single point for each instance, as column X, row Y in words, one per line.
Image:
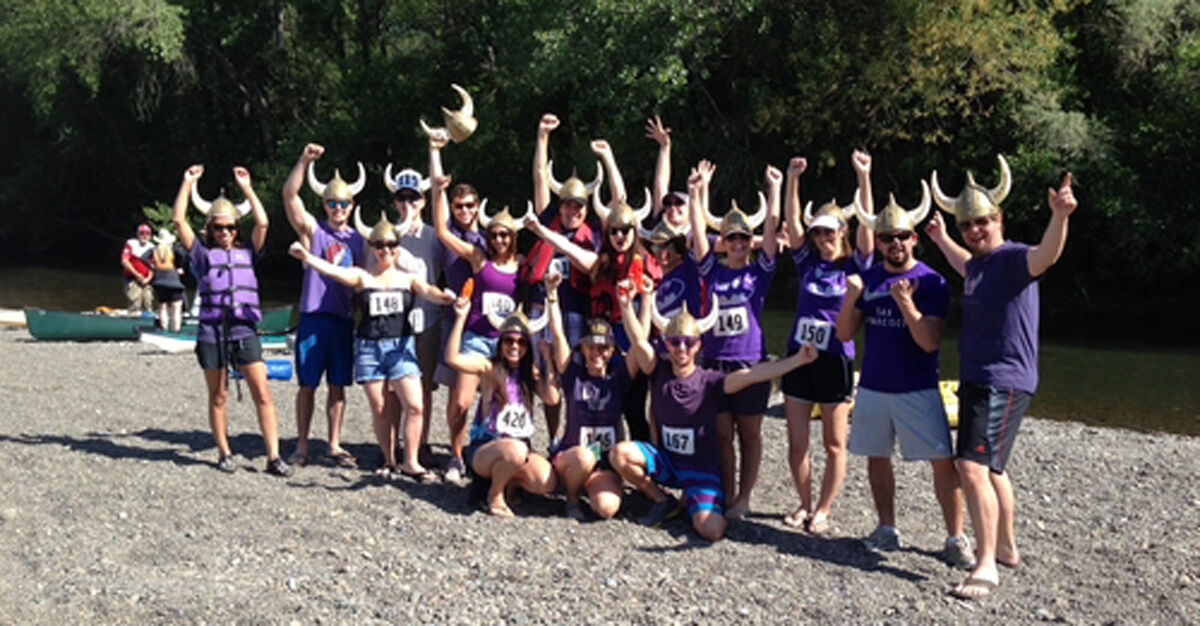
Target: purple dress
column 495, row 292
column 737, row 336
column 893, row 362
column 320, row 293
column 998, row 345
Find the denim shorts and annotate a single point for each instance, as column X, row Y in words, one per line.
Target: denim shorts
column 391, row 358
column 478, row 344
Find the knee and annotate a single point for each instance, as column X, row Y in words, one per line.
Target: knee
column 605, row 504
column 710, row 526
column 217, row 398
column 624, row 455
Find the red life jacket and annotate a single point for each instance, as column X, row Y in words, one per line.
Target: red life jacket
column 603, row 291
column 540, row 255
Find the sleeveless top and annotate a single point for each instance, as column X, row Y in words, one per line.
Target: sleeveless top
column 384, row 313
column 507, row 418
column 495, row 291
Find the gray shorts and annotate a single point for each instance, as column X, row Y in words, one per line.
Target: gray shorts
column 916, row 418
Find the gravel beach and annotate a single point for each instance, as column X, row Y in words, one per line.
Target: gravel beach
column 112, row 512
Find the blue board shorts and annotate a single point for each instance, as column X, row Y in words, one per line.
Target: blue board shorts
column 324, row 345
column 390, row 358
column 702, row 491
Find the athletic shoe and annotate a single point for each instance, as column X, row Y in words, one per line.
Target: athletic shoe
column 660, row 512
column 957, row 552
column 277, row 467
column 226, row 464
column 883, row 539
column 455, row 470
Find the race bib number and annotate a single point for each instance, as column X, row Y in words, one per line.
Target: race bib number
column 561, row 266
column 679, row 440
column 816, row 332
column 497, row 303
column 514, row 421
column 416, row 320
column 603, row 436
column 732, row 322
column 385, row 303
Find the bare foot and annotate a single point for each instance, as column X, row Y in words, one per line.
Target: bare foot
column 499, row 508
column 974, row 588
column 738, row 511
column 1008, row 557
column 819, row 524
column 797, row 519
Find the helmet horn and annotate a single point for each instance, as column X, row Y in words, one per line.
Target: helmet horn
column 710, row 320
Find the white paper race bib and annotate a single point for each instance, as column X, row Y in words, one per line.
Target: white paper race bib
column 497, row 303
column 679, row 440
column 560, row 266
column 514, row 421
column 816, row 332
column 416, row 320
column 606, row 436
column 385, row 303
column 732, row 322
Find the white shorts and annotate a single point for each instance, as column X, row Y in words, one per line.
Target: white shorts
column 916, row 418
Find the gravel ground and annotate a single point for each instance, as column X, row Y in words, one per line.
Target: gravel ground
column 112, row 512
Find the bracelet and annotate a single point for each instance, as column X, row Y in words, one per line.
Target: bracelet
column 553, row 300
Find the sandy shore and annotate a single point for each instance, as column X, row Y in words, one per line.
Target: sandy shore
column 112, row 512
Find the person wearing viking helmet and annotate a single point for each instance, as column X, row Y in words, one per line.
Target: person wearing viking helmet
column 500, row 452
column 823, row 258
column 324, row 338
column 493, row 292
column 680, row 283
column 227, row 335
column 902, row 302
column 385, row 348
column 683, row 451
column 997, row 353
column 739, row 281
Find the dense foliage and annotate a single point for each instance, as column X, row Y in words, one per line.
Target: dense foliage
column 107, row 101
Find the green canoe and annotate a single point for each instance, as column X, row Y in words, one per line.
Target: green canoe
column 67, row 326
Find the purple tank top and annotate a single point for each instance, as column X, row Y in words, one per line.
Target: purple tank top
column 458, row 269
column 321, row 294
column 495, row 291
column 737, row 335
column 507, row 418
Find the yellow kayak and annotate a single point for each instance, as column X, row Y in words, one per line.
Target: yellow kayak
column 948, row 389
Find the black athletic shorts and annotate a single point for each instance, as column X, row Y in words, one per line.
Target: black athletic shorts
column 750, row 401
column 239, row 353
column 988, row 420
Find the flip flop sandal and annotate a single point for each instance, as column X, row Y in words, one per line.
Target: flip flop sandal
column 819, row 524
column 983, row 589
column 796, row 520
column 425, row 477
column 298, row 459
column 341, row 458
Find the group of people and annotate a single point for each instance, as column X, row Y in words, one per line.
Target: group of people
column 648, row 329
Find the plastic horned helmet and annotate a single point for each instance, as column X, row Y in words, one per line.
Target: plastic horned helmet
column 842, row 213
column 622, row 214
column 894, row 217
column 383, row 230
column 975, row 200
column 406, row 179
column 663, row 233
column 682, row 324
column 573, row 188
column 221, row 207
column 337, row 189
column 459, row 124
column 517, row 322
column 736, row 221
column 503, row 219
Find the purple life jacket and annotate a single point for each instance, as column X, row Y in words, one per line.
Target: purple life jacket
column 230, row 284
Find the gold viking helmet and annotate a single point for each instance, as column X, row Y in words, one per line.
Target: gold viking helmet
column 517, row 322
column 459, row 124
column 682, row 324
column 336, row 189
column 504, row 218
column 975, row 200
column 663, row 233
column 221, row 207
column 622, row 214
column 383, row 230
column 842, row 213
column 573, row 188
column 736, row 221
column 894, row 217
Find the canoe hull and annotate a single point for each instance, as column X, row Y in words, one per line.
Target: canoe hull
column 68, row 326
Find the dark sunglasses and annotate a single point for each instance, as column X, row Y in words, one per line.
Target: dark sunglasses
column 682, row 342
column 621, row 230
column 499, row 234
column 509, row 340
column 673, row 202
column 338, row 204
column 737, row 237
column 231, row 228
column 380, row 245
column 410, row 198
column 981, row 222
column 465, row 205
column 890, row 237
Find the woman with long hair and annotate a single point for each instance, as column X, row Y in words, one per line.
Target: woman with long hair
column 167, row 286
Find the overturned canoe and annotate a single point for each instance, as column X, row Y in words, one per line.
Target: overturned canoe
column 68, row 326
column 186, row 342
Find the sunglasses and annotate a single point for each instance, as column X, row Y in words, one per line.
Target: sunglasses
column 737, row 237
column 229, row 228
column 890, row 237
column 380, row 245
column 338, row 204
column 981, row 222
column 673, row 202
column 511, row 340
column 410, row 198
column 465, row 205
column 499, row 234
column 682, row 342
column 621, row 230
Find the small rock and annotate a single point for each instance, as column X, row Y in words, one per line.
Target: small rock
column 293, row 584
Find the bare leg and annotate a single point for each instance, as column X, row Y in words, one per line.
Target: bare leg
column 574, row 465
column 256, row 379
column 982, row 504
column 949, row 495
column 725, row 435
column 604, row 493
column 798, row 412
column 408, row 389
column 382, row 420
column 499, row 461
column 305, row 401
column 834, row 426
column 176, row 316
column 536, row 475
column 883, row 488
column 462, row 396
column 335, row 409
column 1006, row 536
column 710, row 525
column 163, row 320
column 627, row 460
column 215, row 380
column 749, row 434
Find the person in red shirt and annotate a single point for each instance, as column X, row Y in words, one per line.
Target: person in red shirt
column 135, row 261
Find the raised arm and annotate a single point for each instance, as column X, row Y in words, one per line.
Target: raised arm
column 429, row 292
column 662, row 169
column 258, row 236
column 441, row 226
column 926, row 330
column 583, row 258
column 863, row 235
column 956, row 255
column 770, row 243
column 301, row 220
column 767, row 370
column 793, row 213
column 353, row 276
column 179, row 215
column 466, row 363
column 640, row 349
column 697, row 213
column 616, row 184
column 849, row 318
column 438, row 140
column 561, row 349
column 541, row 155
column 1046, row 253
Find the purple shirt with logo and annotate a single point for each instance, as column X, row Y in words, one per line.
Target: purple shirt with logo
column 737, row 335
column 594, row 403
column 998, row 345
column 678, row 286
column 685, row 411
column 822, row 288
column 320, row 293
column 893, row 362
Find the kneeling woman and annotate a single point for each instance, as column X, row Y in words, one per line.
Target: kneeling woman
column 500, row 438
column 385, row 349
column 686, row 399
column 227, row 335
column 595, row 383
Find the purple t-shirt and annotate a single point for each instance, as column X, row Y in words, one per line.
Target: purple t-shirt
column 680, row 285
column 594, row 403
column 737, row 335
column 456, row 268
column 893, row 362
column 207, row 332
column 320, row 293
column 495, row 292
column 822, row 287
column 685, row 412
column 998, row 345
